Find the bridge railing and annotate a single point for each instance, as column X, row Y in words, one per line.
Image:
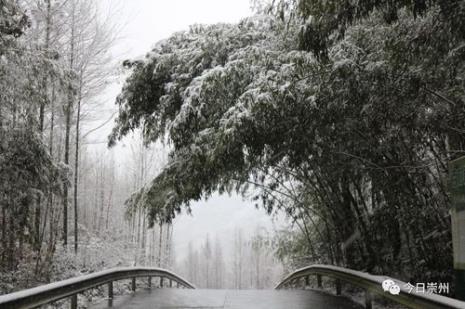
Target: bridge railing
column 371, row 284
column 49, row 293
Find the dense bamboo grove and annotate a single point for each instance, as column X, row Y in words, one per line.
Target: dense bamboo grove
column 342, row 114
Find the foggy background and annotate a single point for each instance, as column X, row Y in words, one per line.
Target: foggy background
column 143, row 23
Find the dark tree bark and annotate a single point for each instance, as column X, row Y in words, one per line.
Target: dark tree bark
column 76, row 177
column 68, row 110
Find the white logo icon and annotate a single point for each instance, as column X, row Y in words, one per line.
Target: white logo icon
column 391, row 286
column 394, row 289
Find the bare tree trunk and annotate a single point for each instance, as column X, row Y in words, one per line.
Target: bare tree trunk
column 160, row 245
column 4, row 240
column 65, row 189
column 11, row 245
column 144, row 234
column 240, row 259
column 51, row 144
column 169, row 234
column 110, row 202
column 76, row 175
column 102, row 198
column 152, row 254
column 50, row 202
column 133, row 227
column 138, row 226
column 68, row 126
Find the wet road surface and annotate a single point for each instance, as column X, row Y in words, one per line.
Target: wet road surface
column 229, row 299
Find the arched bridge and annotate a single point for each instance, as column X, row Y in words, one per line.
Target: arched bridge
column 159, row 288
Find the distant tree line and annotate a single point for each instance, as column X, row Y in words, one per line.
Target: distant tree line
column 248, row 263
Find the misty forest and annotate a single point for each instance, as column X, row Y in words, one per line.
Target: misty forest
column 337, row 119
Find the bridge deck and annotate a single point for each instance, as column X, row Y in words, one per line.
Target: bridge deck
column 230, row 299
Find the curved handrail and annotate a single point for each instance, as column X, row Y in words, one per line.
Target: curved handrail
column 48, row 293
column 373, row 285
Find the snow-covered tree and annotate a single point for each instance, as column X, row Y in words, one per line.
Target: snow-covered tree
column 338, row 122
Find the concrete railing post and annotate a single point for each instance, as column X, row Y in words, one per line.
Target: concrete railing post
column 307, row 281
column 133, row 284
column 74, row 301
column 338, row 287
column 150, row 282
column 161, row 282
column 318, row 280
column 368, row 300
column 110, row 290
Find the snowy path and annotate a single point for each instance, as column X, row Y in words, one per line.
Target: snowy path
column 229, row 299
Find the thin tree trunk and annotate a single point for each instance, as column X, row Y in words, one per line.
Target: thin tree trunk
column 138, row 211
column 169, row 232
column 76, row 176
column 110, row 202
column 160, row 245
column 102, row 198
column 11, row 245
column 65, row 189
column 37, row 214
column 4, row 240
column 68, row 128
column 153, row 247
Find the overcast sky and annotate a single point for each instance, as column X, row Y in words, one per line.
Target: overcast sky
column 145, row 23
column 152, row 20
